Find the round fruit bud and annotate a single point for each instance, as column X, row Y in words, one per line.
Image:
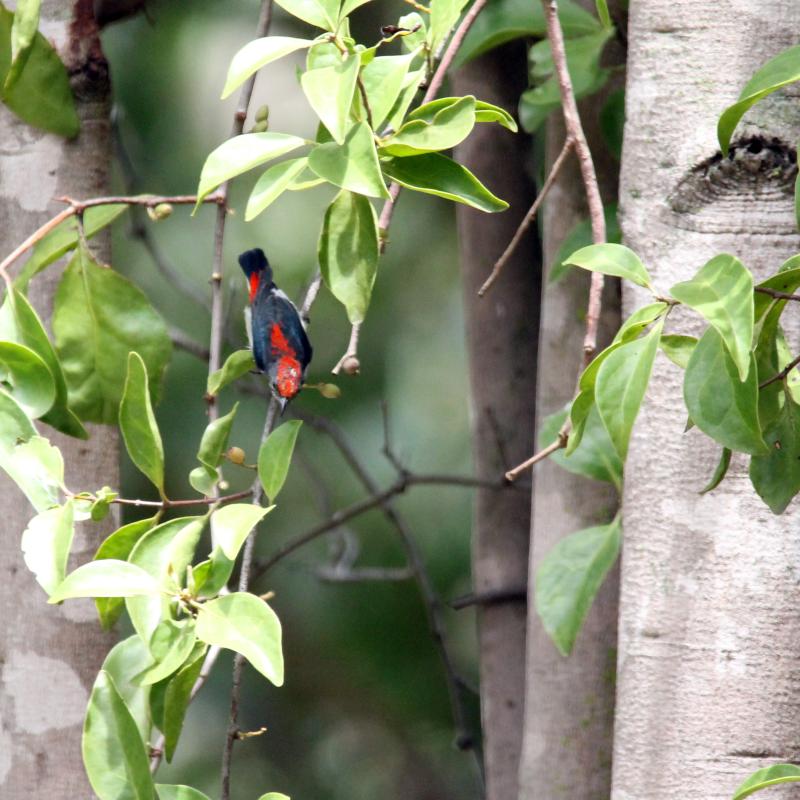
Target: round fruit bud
column 259, row 127
column 351, row 366
column 235, row 455
column 159, row 212
column 262, row 114
column 330, row 390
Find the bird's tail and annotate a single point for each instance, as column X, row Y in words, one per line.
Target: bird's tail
column 256, row 268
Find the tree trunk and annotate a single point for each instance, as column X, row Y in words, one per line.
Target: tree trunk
column 569, row 702
column 49, row 655
column 501, row 338
column 708, row 685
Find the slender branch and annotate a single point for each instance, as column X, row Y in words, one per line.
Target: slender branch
column 782, row 374
column 492, row 597
column 776, row 294
column 365, row 100
column 433, row 89
column 558, row 444
column 195, row 501
column 529, row 217
column 349, row 361
column 184, row 342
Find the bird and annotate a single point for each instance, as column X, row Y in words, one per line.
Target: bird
column 278, row 339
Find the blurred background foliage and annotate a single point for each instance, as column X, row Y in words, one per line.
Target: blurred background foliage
column 364, row 712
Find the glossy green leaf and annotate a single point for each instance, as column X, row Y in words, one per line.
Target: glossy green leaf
column 769, row 776
column 418, row 27
column 433, row 173
column 484, row 112
column 621, row 385
column 612, row 259
column 231, row 524
column 639, row 320
column 241, row 154
column 449, row 127
column 678, row 349
column 126, row 660
column 504, row 20
column 348, row 6
column 581, row 236
column 272, row 184
column 212, row 446
column 178, row 792
column 720, row 471
column 722, row 406
column 176, row 700
column 170, row 645
column 23, row 32
column 257, row 54
column 776, row 476
column 321, row 13
column 114, row 754
column 107, row 578
column 138, row 424
column 98, row 318
column 46, row 544
column 779, row 71
column 245, row 624
column 569, row 578
column 329, row 90
column 274, row 796
column 444, row 15
column 383, row 80
column 722, row 292
column 407, row 96
column 119, row 546
column 275, row 457
column 27, row 378
column 352, row 165
column 236, row 364
column 37, row 467
column 24, row 327
column 40, row 93
column 348, row 252
column 602, row 12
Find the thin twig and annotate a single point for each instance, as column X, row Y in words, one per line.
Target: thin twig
column 776, row 294
column 558, row 444
column 349, row 361
column 365, row 100
column 782, row 374
column 184, row 342
column 492, row 597
column 194, row 501
column 529, row 217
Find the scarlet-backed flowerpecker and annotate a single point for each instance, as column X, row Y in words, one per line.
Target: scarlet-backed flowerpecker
column 277, row 336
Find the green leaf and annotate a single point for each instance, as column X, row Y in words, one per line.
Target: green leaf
column 46, row 544
column 236, row 364
column 178, row 792
column 245, row 624
column 776, row 476
column 257, row 54
column 719, row 472
column 25, row 327
column 138, row 424
column 212, row 446
column 444, row 15
column 383, row 80
column 241, row 154
column 272, row 184
column 639, row 320
column 406, row 98
column 177, row 699
column 352, row 165
column 621, row 385
column 126, row 660
column 170, row 645
column 275, row 457
column 231, row 524
column 321, row 13
column 98, row 318
column 779, row 71
column 348, row 252
column 504, row 20
column 596, row 457
column 106, row 578
column 119, row 546
column 569, row 578
column 329, row 90
column 413, row 22
column 484, row 112
column 449, row 127
column 678, row 349
column 612, row 122
column 721, row 405
column 40, row 94
column 439, row 175
column 27, row 378
column 114, row 754
column 722, row 292
column 769, row 776
column 581, row 236
column 348, row 6
column 602, row 12
column 37, row 467
column 23, row 32
column 274, row 796
column 612, row 259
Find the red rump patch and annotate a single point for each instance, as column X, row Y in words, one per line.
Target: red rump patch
column 254, row 281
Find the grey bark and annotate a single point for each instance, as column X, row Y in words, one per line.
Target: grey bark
column 49, row 655
column 708, row 685
column 569, row 702
column 501, row 338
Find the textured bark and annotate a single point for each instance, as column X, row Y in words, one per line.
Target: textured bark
column 708, row 684
column 501, row 337
column 49, row 655
column 569, row 702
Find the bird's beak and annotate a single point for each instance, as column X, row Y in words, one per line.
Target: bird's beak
column 282, row 401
